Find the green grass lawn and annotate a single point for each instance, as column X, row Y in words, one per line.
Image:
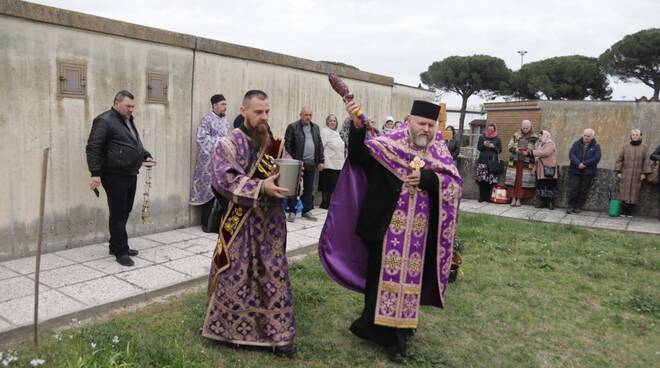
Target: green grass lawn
column 531, row 295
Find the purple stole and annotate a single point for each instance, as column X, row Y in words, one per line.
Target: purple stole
column 404, row 245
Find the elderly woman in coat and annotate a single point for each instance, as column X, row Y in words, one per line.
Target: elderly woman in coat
column 546, row 170
column 632, row 166
column 520, row 179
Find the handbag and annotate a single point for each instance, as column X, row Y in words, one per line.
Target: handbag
column 549, row 171
column 495, row 166
column 498, row 195
column 614, row 207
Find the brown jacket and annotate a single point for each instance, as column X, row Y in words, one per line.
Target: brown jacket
column 545, row 154
column 633, row 161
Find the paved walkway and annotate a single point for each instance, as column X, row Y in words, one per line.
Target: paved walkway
column 591, row 219
column 76, row 283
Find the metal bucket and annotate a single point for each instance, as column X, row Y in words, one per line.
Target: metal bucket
column 289, row 175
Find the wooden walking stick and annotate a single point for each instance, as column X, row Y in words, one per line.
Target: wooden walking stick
column 40, row 238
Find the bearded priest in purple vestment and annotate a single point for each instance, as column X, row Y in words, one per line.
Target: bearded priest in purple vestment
column 249, row 292
column 390, row 230
column 211, row 128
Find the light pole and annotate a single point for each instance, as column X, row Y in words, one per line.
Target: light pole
column 522, row 55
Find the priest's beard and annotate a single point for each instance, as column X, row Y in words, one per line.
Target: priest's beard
column 260, row 136
column 421, row 141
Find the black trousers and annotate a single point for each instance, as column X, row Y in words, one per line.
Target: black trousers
column 382, row 335
column 206, row 212
column 485, row 189
column 627, row 208
column 120, row 190
column 307, row 197
column 578, row 189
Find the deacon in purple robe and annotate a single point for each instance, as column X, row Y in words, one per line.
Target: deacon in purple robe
column 249, row 292
column 211, row 128
column 391, row 225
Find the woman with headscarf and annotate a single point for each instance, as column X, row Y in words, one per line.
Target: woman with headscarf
column 520, row 180
column 333, row 149
column 489, row 147
column 389, row 125
column 452, row 144
column 632, row 166
column 545, row 168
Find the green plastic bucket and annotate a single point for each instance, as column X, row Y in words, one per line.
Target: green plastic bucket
column 615, row 208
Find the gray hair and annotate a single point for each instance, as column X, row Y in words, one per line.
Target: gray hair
column 633, row 131
column 121, row 95
column 525, row 123
column 593, row 132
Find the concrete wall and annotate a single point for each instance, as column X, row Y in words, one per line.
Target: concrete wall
column 34, row 117
column 611, row 120
column 566, row 120
column 117, row 55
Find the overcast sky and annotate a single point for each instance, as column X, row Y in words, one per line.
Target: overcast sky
column 399, row 38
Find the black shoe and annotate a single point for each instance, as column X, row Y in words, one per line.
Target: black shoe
column 131, row 252
column 577, row 210
column 125, row 260
column 569, row 211
column 394, row 355
column 286, row 351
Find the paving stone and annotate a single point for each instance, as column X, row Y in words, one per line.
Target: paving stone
column 520, row 213
column 26, row 265
column 51, row 304
column 611, row 223
column 153, row 277
column 296, row 241
column 578, row 220
column 194, row 266
column 84, row 254
column 591, row 213
column 69, row 275
column 467, row 204
column 110, row 266
column 6, row 273
column 294, row 226
column 18, row 287
column 101, row 291
column 194, row 230
column 549, row 216
column 649, row 226
column 318, row 212
column 493, row 209
column 312, row 232
column 195, row 243
column 142, row 243
column 169, row 237
column 163, row 253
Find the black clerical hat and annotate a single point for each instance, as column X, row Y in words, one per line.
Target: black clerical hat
column 425, row 109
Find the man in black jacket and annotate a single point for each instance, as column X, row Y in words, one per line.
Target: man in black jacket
column 302, row 141
column 114, row 156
